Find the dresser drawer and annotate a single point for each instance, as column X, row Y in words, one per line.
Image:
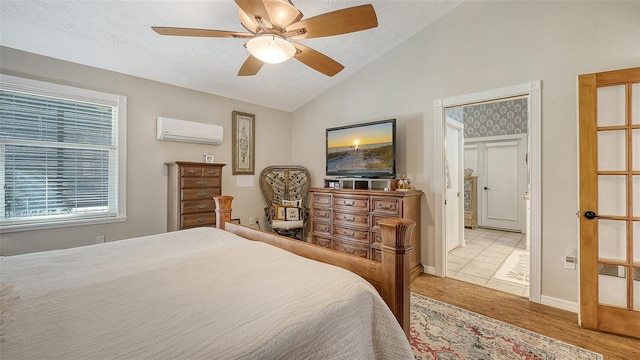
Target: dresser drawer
column 321, row 201
column 386, row 206
column 376, row 237
column 375, row 221
column 322, row 241
column 200, row 194
column 202, row 219
column 355, row 219
column 353, row 248
column 197, row 171
column 376, row 253
column 351, row 203
column 321, row 229
column 321, row 214
column 361, row 236
column 190, row 207
column 201, row 182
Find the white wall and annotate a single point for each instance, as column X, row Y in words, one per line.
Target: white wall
column 146, row 173
column 481, row 46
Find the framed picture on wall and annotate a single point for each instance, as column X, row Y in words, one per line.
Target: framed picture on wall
column 243, row 143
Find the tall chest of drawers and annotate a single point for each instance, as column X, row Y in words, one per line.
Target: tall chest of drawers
column 191, row 188
column 347, row 220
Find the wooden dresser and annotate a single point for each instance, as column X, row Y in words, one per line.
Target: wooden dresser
column 192, row 186
column 471, row 201
column 347, row 220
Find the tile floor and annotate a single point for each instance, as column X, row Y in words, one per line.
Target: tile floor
column 484, row 253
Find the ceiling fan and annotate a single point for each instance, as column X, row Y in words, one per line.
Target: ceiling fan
column 272, row 22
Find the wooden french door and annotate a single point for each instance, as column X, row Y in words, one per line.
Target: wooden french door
column 609, row 116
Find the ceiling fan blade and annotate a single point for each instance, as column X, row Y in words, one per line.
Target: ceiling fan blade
column 317, row 60
column 281, row 13
column 337, row 22
column 250, row 67
column 255, row 9
column 174, row 31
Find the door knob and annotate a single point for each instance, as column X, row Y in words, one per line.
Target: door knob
column 590, row 215
column 486, row 188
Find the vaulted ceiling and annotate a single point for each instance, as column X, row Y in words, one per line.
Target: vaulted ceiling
column 117, row 36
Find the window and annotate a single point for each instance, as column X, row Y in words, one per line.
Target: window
column 62, row 155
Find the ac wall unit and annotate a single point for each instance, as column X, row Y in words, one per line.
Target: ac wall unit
column 188, row 131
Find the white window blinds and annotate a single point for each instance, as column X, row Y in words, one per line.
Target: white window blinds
column 58, row 158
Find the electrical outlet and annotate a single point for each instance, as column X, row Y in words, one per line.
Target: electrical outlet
column 100, row 239
column 569, row 262
column 252, row 220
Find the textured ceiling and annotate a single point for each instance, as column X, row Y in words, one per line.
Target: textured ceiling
column 117, row 35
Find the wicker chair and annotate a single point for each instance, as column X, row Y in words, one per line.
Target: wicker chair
column 284, row 190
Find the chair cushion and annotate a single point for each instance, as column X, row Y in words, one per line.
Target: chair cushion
column 280, row 224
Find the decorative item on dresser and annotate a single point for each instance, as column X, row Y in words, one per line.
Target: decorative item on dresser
column 347, row 220
column 470, row 201
column 192, row 186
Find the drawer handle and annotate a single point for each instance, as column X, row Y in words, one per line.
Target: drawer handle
column 212, row 172
column 192, row 171
column 353, row 218
column 345, row 203
column 202, row 182
column 202, row 220
column 380, row 206
column 324, row 229
column 348, row 234
column 203, row 193
column 202, row 206
column 350, row 252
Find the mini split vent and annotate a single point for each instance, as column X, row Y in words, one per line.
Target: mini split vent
column 188, row 131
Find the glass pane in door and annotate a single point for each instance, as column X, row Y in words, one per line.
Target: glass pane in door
column 612, row 240
column 612, row 285
column 635, row 101
column 612, row 195
column 635, row 188
column 635, row 147
column 636, row 243
column 611, row 105
column 636, row 288
column 612, row 150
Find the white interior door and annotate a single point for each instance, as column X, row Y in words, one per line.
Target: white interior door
column 502, row 189
column 455, row 225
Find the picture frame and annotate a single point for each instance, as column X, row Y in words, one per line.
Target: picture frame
column 243, row 143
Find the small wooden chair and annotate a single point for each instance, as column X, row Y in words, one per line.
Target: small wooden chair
column 284, row 190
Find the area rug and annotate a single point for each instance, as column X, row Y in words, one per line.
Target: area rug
column 515, row 268
column 443, row 331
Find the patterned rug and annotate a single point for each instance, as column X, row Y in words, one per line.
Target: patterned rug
column 443, row 331
column 515, row 268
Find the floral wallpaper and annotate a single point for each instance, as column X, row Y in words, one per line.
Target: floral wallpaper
column 492, row 119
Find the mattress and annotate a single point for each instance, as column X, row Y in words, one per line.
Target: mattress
column 198, row 293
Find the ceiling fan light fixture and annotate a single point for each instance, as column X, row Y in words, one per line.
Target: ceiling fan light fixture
column 271, row 49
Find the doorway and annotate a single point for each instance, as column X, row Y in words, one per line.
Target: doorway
column 493, row 252
column 530, row 91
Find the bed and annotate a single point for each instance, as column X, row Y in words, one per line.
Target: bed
column 223, row 293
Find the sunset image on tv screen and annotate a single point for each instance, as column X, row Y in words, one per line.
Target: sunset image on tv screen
column 360, row 148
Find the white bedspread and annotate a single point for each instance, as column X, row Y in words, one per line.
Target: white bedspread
column 199, row 293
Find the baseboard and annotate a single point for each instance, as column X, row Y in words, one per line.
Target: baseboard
column 544, row 300
column 429, row 270
column 560, row 304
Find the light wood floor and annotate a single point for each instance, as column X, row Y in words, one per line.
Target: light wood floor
column 558, row 324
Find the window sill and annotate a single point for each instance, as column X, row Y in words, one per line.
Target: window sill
column 61, row 224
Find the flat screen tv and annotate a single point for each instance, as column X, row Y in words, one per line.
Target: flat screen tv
column 362, row 150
